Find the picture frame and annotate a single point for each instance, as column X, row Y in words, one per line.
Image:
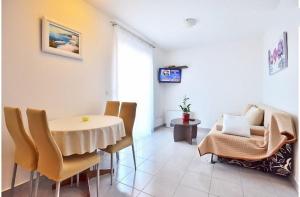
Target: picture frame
column 278, row 55
column 61, row 40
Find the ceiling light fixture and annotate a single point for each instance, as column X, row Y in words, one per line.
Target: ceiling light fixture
column 190, row 22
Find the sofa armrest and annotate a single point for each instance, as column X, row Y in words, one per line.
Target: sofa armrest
column 257, row 130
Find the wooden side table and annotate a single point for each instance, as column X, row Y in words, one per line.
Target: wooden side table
column 184, row 130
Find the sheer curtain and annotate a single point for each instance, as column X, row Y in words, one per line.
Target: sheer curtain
column 133, row 78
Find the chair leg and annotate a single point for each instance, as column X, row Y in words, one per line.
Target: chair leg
column 36, row 184
column 71, row 184
column 57, row 189
column 13, row 179
column 111, row 167
column 88, row 184
column 77, row 180
column 97, row 181
column 117, row 154
column 31, row 183
column 133, row 154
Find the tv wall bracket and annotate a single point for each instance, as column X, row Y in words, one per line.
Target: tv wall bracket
column 180, row 67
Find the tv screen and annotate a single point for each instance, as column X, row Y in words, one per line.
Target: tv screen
column 169, row 75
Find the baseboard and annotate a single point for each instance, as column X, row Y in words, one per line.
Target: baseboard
column 294, row 183
column 164, row 125
column 159, row 126
column 205, row 129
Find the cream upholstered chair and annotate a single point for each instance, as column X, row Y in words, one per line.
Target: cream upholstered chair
column 112, row 108
column 26, row 154
column 127, row 113
column 51, row 163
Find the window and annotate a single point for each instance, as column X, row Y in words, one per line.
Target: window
column 134, row 78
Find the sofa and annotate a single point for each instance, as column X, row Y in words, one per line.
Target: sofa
column 269, row 147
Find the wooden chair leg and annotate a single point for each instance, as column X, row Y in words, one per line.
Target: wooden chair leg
column 133, row 154
column 111, row 167
column 36, row 184
column 13, row 180
column 57, row 189
column 31, row 184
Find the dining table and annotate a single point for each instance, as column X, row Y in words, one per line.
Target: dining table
column 86, row 134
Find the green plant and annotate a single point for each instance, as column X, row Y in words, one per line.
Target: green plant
column 185, row 107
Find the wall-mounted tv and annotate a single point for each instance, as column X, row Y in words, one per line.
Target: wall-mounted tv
column 169, row 75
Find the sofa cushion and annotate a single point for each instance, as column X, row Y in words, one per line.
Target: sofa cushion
column 246, row 109
column 236, row 125
column 255, row 116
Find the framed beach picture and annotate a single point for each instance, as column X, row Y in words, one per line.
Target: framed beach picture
column 278, row 55
column 60, row 40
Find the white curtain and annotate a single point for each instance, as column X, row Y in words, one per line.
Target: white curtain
column 133, row 78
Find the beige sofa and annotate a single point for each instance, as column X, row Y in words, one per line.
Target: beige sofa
column 268, row 149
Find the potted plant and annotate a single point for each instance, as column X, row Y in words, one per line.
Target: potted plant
column 185, row 109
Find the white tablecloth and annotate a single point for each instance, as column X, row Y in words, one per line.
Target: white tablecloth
column 74, row 136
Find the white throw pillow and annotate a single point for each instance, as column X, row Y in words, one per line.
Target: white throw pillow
column 236, row 125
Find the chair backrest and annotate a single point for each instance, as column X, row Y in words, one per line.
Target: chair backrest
column 26, row 154
column 50, row 158
column 112, row 108
column 127, row 113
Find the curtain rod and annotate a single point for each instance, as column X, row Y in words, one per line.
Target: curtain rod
column 135, row 35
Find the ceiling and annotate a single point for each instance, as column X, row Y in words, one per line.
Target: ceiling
column 162, row 21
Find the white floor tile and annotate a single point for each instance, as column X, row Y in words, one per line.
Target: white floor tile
column 227, row 172
column 201, row 167
column 161, row 187
column 121, row 190
column 128, row 161
column 224, row 188
column 197, row 181
column 256, row 184
column 183, row 191
column 137, row 179
column 171, row 172
column 283, row 187
column 142, row 194
column 151, row 167
column 122, row 171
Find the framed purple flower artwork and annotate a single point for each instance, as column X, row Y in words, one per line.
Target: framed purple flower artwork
column 278, row 56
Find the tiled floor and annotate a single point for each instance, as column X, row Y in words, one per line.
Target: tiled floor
column 166, row 168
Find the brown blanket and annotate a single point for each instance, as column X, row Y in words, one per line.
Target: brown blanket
column 261, row 144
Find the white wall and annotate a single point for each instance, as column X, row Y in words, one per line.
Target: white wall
column 61, row 85
column 281, row 89
column 221, row 78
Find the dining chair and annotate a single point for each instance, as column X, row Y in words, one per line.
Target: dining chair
column 26, row 154
column 51, row 163
column 112, row 108
column 127, row 113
